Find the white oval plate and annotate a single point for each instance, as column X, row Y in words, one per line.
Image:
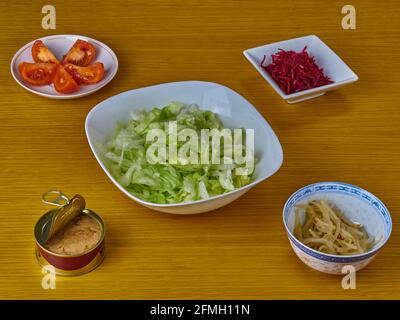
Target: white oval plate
column 59, row 45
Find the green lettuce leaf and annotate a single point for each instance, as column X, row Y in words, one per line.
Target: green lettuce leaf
column 126, row 150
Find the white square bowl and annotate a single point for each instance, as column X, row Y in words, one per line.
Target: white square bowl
column 334, row 67
column 234, row 111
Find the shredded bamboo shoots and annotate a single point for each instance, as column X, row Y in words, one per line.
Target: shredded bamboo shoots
column 326, row 229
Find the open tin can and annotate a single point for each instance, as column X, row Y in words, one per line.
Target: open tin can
column 52, row 225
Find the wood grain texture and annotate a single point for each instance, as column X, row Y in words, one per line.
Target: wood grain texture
column 240, row 251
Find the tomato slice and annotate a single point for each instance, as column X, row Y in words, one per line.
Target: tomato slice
column 86, row 75
column 63, row 81
column 81, row 54
column 38, row 74
column 41, row 53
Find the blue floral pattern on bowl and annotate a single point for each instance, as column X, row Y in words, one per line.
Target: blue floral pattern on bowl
column 333, row 263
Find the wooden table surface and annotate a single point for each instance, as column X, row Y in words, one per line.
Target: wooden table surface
column 241, row 250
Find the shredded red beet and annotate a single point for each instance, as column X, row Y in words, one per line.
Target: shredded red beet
column 295, row 71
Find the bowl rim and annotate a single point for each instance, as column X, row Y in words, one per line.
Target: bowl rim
column 275, row 86
column 334, row 257
column 75, row 95
column 181, row 204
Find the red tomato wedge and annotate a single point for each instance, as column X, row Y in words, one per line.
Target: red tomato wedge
column 40, row 53
column 63, row 81
column 86, row 75
column 38, row 74
column 81, row 54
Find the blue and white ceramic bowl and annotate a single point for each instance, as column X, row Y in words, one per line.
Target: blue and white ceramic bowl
column 358, row 205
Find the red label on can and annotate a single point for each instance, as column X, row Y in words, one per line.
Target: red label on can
column 72, row 262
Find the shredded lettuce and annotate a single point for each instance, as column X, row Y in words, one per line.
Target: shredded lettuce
column 168, row 182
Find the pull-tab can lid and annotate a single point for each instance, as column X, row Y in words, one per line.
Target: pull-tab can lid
column 70, row 209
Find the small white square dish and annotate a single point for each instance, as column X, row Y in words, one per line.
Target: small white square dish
column 234, row 111
column 59, row 45
column 334, row 67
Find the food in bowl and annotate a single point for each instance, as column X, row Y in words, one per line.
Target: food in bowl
column 358, row 205
column 326, row 229
column 176, row 179
column 233, row 109
column 295, row 71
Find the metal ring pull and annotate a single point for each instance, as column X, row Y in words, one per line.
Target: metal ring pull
column 55, row 198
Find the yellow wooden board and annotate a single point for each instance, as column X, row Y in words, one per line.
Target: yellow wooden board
column 241, row 250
